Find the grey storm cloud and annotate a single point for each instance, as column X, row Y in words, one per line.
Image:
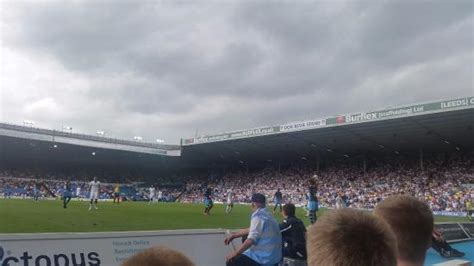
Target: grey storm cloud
column 168, row 68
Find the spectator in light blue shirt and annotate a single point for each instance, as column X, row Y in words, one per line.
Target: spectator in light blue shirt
column 263, row 243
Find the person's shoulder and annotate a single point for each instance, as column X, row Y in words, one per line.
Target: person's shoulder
column 301, row 222
column 285, row 222
column 258, row 213
column 294, row 220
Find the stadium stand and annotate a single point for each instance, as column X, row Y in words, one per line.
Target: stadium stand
column 445, row 184
column 14, row 187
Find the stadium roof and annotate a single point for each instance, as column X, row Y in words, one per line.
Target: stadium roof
column 61, row 137
column 433, row 126
column 35, row 147
column 38, row 154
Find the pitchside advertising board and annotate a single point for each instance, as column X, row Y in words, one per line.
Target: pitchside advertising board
column 203, row 247
column 404, row 111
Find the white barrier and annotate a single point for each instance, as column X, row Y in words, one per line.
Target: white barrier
column 454, row 263
column 203, row 247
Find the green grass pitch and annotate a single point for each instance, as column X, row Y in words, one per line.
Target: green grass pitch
column 27, row 216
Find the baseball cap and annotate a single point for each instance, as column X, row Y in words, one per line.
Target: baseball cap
column 258, row 198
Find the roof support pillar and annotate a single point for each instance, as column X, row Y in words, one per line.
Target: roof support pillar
column 364, row 164
column 318, row 162
column 421, row 160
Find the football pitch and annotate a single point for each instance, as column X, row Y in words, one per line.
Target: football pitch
column 27, row 216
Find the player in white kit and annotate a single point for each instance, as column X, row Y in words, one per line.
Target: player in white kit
column 78, row 191
column 94, row 187
column 151, row 197
column 160, row 195
column 230, row 201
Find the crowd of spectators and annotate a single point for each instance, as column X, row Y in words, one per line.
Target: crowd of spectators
column 25, row 187
column 446, row 182
column 121, row 176
column 50, row 188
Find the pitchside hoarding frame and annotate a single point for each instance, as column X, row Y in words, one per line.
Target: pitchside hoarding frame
column 455, row 232
column 347, row 119
column 204, row 247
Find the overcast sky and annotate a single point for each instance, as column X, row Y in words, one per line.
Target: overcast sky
column 168, row 68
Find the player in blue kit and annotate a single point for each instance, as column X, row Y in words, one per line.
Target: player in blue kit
column 313, row 204
column 277, row 198
column 67, row 194
column 208, row 204
column 36, row 191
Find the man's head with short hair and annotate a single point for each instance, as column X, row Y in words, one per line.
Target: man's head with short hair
column 412, row 222
column 258, row 200
column 158, row 256
column 289, row 210
column 350, row 237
